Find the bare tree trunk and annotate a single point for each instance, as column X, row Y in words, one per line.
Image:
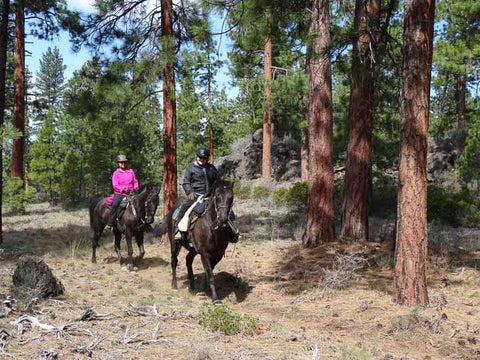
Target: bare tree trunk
column 304, row 155
column 360, row 123
column 169, row 115
column 3, row 71
column 19, row 105
column 267, row 112
column 320, row 205
column 461, row 95
column 412, row 230
column 210, row 117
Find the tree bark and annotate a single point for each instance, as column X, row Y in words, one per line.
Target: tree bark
column 169, row 111
column 412, row 230
column 320, row 205
column 267, row 111
column 210, row 115
column 304, row 155
column 461, row 95
column 3, row 71
column 360, row 123
column 19, row 104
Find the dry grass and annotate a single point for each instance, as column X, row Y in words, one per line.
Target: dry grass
column 269, row 277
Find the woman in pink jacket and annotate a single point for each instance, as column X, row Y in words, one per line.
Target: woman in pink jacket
column 124, row 182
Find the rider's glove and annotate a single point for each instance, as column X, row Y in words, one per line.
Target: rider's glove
column 191, row 196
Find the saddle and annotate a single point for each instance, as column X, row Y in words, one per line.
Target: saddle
column 122, row 206
column 194, row 212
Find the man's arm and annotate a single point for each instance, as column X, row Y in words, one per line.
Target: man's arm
column 187, row 186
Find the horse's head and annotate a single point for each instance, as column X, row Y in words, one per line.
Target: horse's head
column 223, row 201
column 151, row 203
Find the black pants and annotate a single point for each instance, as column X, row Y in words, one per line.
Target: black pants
column 181, row 210
column 114, row 208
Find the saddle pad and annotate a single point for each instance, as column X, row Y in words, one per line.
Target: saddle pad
column 183, row 224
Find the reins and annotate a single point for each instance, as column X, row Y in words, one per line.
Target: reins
column 134, row 211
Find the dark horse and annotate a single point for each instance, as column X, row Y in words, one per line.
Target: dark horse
column 137, row 217
column 209, row 237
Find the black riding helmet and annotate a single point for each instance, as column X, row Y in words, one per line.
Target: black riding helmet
column 203, row 152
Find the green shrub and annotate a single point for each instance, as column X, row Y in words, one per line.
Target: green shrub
column 455, row 208
column 242, row 191
column 264, row 213
column 296, row 196
column 280, row 196
column 288, row 221
column 260, row 192
column 221, row 318
column 15, row 197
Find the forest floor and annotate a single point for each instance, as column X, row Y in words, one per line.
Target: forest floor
column 269, row 276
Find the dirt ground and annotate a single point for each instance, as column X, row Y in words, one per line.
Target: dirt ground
column 268, row 276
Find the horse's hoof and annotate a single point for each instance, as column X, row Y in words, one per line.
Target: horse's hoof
column 124, row 268
column 217, row 302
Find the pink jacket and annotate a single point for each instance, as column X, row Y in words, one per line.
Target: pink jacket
column 121, row 181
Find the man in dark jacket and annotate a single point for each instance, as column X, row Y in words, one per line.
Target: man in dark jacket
column 200, row 179
column 200, row 176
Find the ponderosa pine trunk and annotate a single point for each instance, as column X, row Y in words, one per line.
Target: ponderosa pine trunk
column 3, row 71
column 304, row 155
column 210, row 115
column 18, row 148
column 461, row 97
column 169, row 111
column 412, row 230
column 320, row 173
column 360, row 123
column 267, row 111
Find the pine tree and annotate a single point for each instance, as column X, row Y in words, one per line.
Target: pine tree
column 3, row 68
column 18, row 149
column 412, row 230
column 320, row 188
column 45, row 164
column 456, row 59
column 49, row 84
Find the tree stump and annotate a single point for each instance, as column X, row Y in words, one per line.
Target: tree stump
column 34, row 279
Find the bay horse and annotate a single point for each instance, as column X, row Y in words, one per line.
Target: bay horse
column 209, row 237
column 137, row 217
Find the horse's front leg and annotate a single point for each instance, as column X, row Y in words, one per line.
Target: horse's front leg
column 175, row 247
column 128, row 237
column 118, row 239
column 139, row 237
column 191, row 278
column 210, row 279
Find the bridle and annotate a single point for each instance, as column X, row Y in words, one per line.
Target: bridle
column 148, row 200
column 217, row 207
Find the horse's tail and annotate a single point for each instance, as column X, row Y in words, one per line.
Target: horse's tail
column 162, row 227
column 92, row 203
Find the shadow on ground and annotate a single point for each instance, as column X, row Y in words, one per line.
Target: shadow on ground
column 225, row 283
